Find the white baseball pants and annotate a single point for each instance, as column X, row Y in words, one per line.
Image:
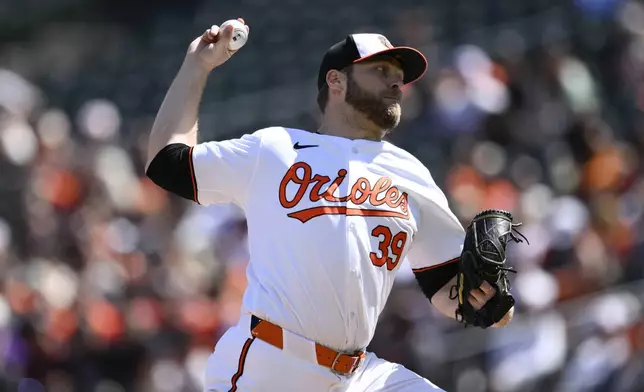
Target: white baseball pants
column 241, row 363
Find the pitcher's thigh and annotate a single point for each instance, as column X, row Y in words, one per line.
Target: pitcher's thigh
column 379, row 375
column 243, row 364
column 226, row 364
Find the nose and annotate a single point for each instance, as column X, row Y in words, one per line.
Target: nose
column 396, row 88
column 397, row 84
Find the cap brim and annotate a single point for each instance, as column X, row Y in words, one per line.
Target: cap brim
column 413, row 62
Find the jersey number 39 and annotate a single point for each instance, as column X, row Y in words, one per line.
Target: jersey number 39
column 388, row 241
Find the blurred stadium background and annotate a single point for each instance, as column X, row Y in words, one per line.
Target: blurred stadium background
column 108, row 284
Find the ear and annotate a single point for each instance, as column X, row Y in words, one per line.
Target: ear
column 337, row 81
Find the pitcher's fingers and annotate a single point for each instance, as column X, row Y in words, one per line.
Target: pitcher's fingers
column 474, row 302
column 479, row 295
column 488, row 289
column 212, row 34
column 225, row 34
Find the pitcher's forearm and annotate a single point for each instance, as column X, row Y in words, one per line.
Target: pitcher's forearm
column 442, row 301
column 176, row 120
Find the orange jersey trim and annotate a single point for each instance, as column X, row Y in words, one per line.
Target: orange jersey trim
column 437, row 265
column 192, row 177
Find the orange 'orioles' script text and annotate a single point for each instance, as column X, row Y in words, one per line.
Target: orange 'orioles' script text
column 379, row 194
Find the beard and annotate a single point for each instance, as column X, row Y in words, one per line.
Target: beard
column 385, row 114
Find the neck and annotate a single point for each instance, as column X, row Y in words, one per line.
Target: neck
column 351, row 126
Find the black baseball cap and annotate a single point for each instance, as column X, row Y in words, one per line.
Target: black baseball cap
column 360, row 47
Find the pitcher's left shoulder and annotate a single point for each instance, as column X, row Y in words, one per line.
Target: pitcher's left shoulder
column 413, row 169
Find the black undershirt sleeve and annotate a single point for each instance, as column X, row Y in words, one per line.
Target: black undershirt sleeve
column 433, row 279
column 171, row 169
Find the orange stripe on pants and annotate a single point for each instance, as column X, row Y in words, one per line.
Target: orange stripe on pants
column 240, row 367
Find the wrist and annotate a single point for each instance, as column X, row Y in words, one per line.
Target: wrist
column 194, row 66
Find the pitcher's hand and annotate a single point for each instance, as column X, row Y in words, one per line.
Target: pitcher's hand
column 479, row 297
column 211, row 49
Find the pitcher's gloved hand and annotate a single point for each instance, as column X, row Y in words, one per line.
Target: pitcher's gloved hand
column 482, row 285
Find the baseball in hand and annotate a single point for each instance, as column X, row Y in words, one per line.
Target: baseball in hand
column 240, row 33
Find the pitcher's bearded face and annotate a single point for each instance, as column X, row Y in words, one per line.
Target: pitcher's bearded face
column 373, row 89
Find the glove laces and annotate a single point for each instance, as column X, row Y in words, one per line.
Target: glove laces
column 513, row 236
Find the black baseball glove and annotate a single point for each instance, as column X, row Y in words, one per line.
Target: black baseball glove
column 483, row 258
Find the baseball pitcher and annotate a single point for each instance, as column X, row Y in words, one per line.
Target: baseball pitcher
column 331, row 214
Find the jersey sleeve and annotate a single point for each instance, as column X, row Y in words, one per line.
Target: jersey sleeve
column 440, row 235
column 222, row 171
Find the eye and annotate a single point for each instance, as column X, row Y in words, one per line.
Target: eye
column 382, row 69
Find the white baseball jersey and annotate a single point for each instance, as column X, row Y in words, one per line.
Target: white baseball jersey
column 330, row 220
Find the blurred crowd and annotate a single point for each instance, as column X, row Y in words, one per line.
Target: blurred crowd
column 109, row 284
